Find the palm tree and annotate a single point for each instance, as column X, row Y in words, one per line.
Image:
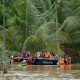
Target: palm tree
column 29, row 18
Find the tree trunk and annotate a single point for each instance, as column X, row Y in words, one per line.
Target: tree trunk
column 4, row 53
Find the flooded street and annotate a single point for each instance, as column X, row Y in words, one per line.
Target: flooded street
column 47, row 72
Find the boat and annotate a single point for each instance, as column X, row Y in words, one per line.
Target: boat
column 44, row 61
column 34, row 60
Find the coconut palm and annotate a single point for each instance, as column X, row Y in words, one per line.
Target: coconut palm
column 28, row 18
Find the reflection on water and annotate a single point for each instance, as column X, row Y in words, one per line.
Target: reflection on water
column 66, row 67
column 47, row 72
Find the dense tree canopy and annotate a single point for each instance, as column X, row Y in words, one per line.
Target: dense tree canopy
column 28, row 18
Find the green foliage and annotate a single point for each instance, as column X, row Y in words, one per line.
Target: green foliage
column 34, row 44
column 1, row 15
column 31, row 24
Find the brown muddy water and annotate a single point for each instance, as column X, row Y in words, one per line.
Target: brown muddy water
column 47, row 72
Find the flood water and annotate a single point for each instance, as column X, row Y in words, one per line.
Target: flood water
column 47, row 72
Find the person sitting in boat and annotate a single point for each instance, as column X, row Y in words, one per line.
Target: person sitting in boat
column 22, row 55
column 47, row 55
column 25, row 54
column 42, row 55
column 28, row 54
column 37, row 55
column 52, row 56
column 29, row 57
